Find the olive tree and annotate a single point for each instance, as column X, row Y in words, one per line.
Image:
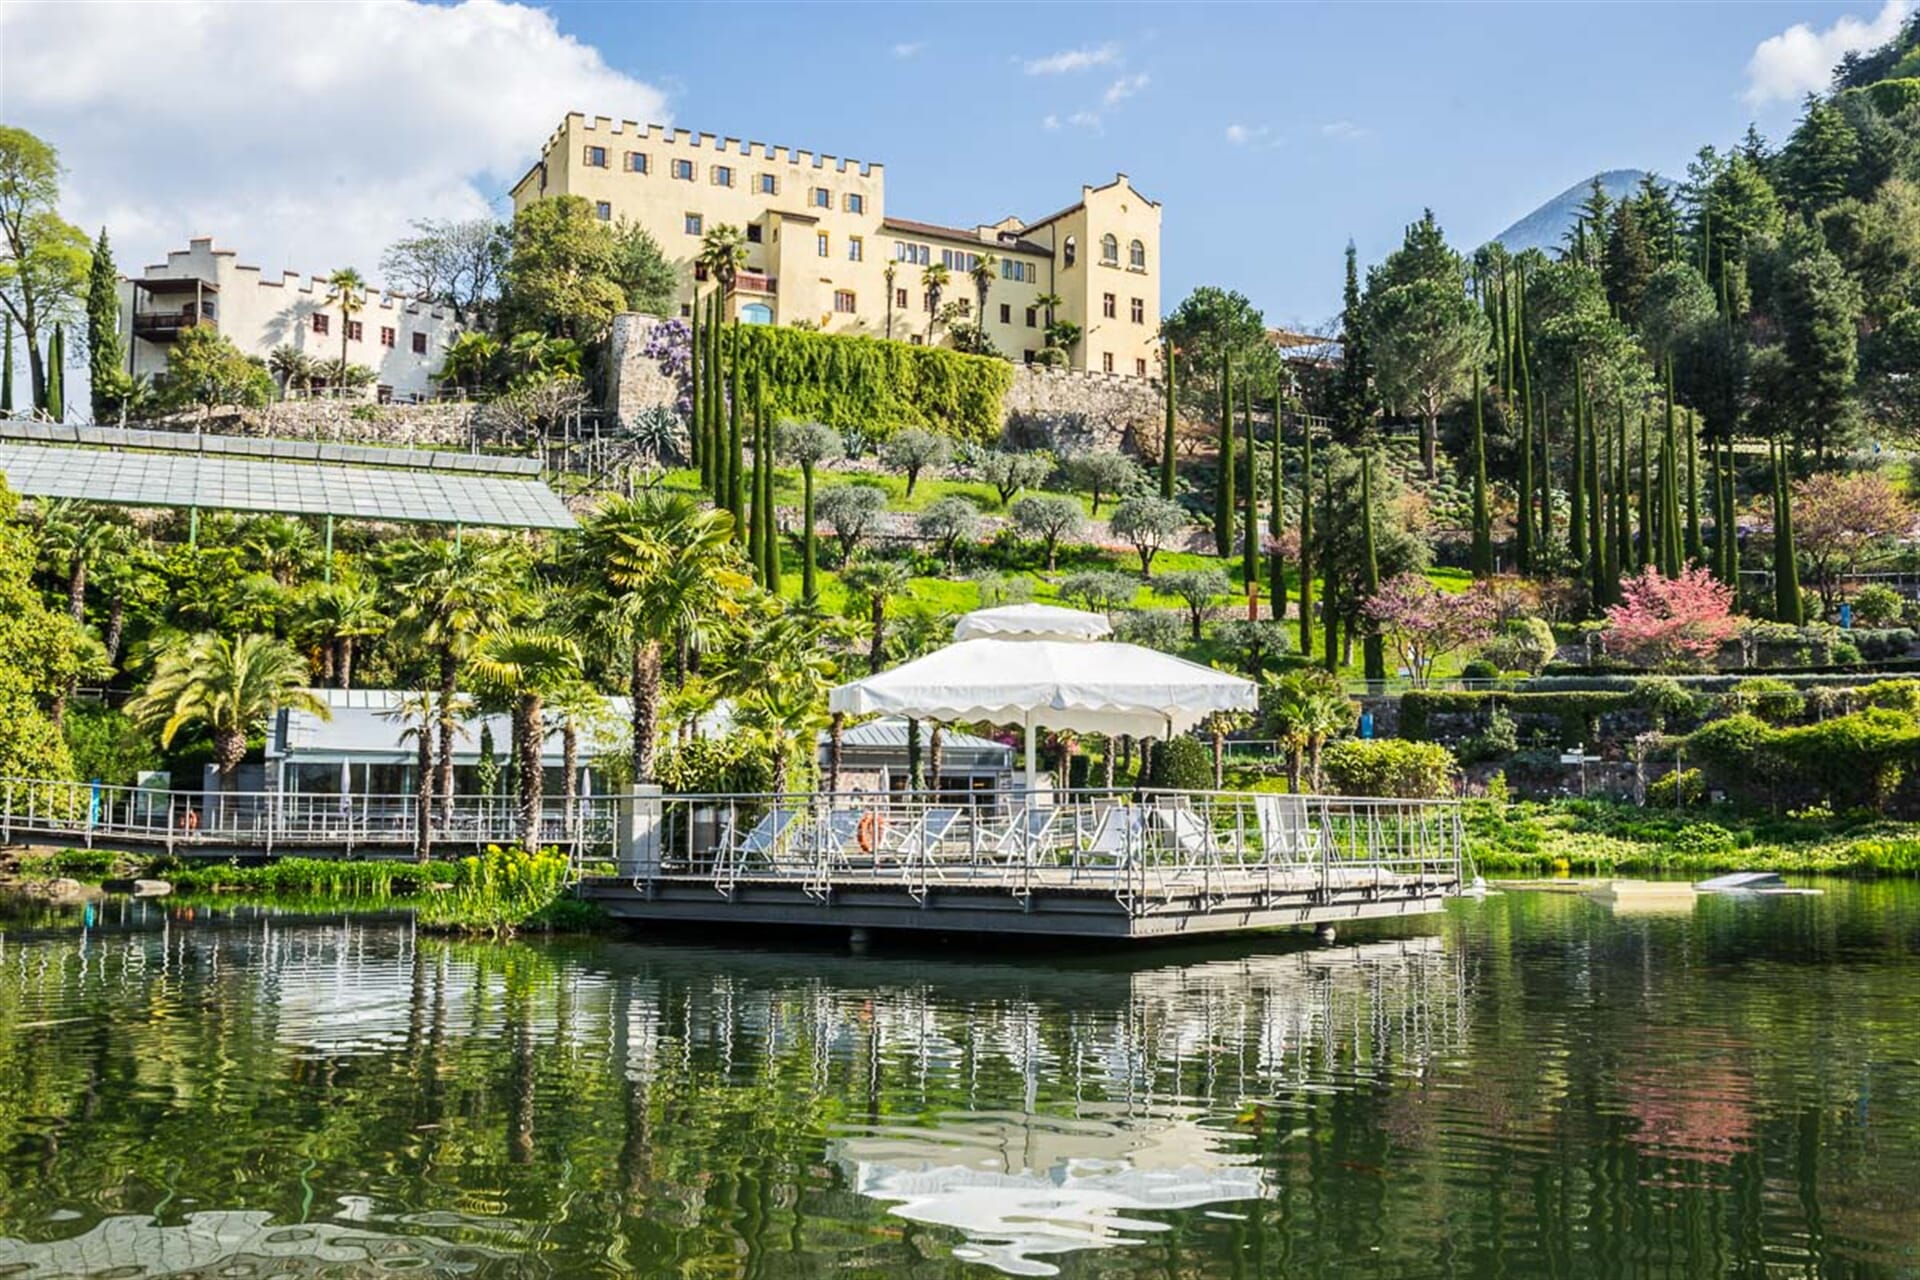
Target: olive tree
column 1099, row 590
column 1047, row 518
column 1009, row 473
column 852, row 511
column 1148, row 522
column 946, row 523
column 913, row 451
column 1102, row 472
column 1197, row 589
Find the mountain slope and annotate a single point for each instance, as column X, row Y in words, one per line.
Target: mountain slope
column 1546, row 226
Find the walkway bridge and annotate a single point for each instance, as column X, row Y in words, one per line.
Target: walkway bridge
column 1099, row 864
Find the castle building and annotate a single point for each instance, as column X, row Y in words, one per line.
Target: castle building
column 822, row 248
column 402, row 340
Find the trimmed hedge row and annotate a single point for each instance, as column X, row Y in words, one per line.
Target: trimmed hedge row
column 849, row 381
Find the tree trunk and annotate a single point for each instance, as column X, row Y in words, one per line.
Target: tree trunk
column 1293, row 767
column 77, row 588
column 116, row 628
column 327, row 663
column 1106, row 767
column 423, row 806
column 449, row 669
column 1313, row 758
column 1219, row 760
column 936, row 742
column 1429, row 443
column 876, row 649
column 532, row 777
column 646, row 708
column 570, row 767
column 344, row 667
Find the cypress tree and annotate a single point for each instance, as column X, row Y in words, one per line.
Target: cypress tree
column 1223, row 483
column 736, row 489
column 756, row 554
column 769, row 524
column 696, row 408
column 717, row 402
column 809, row 541
column 1727, row 537
column 1577, row 489
column 1306, row 539
column 1276, row 518
column 6, row 372
column 103, row 330
column 1374, row 645
column 1167, row 434
column 1670, row 544
column 1622, row 518
column 1250, row 534
column 1523, row 392
column 1596, row 536
column 1645, row 545
column 56, row 405
column 1543, row 553
column 1482, row 560
column 1786, row 565
column 1330, row 580
column 1696, row 549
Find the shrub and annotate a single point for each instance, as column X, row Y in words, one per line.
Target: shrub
column 1524, row 644
column 499, row 891
column 1480, row 669
column 1877, row 605
column 1774, row 701
column 1701, row 838
column 1876, row 644
column 1181, row 764
column 1844, row 654
column 1664, row 700
column 849, row 381
column 1894, row 695
column 1152, row 629
column 1497, row 741
column 107, row 746
column 1688, row 783
column 1389, row 767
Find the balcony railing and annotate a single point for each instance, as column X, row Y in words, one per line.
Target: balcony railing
column 164, row 326
column 754, row 282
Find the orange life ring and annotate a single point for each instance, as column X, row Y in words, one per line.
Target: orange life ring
column 872, row 827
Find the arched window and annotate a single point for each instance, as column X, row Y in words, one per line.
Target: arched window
column 1137, row 255
column 1072, row 250
column 1110, row 249
column 756, row 313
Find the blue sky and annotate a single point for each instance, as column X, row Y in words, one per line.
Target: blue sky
column 314, row 132
column 1350, row 119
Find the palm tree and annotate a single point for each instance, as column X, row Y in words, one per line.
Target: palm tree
column 525, row 665
column 334, row 615
column 290, row 367
column 890, row 275
column 415, row 712
column 982, row 273
column 280, row 545
column 723, row 252
column 454, row 592
column 1305, row 708
column 1047, row 302
column 934, row 277
column 347, row 290
column 73, row 534
column 875, row 582
column 129, row 576
column 781, row 681
column 668, row 570
column 230, row 686
column 471, row 360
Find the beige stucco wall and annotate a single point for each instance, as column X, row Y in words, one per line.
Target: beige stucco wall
column 259, row 312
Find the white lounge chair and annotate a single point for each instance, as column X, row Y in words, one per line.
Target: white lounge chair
column 1287, row 831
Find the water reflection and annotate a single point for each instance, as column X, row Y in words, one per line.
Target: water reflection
column 1535, row 1088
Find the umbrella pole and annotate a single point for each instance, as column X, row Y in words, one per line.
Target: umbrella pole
column 1032, row 776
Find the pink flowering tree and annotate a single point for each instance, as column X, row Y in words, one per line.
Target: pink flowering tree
column 1670, row 623
column 1843, row 521
column 1424, row 623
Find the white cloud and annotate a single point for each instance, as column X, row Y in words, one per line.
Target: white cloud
column 1051, row 122
column 1241, row 135
column 304, row 137
column 1800, row 60
column 1084, row 119
column 907, row 48
column 1344, row 131
column 1123, row 88
column 1073, row 60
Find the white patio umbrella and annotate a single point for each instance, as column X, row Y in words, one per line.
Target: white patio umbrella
column 1080, row 684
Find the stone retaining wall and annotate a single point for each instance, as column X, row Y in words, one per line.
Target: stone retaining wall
column 446, row 424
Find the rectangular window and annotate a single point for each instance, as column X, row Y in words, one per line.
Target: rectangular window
column 900, row 299
column 843, row 301
column 683, row 170
column 319, row 323
column 1138, row 311
column 1139, row 368
column 1033, row 317
column 767, row 185
column 1108, row 306
column 856, row 203
column 694, row 226
column 723, row 175
column 1106, row 362
column 1028, row 353
column 355, row 329
column 1006, row 313
column 822, row 243
column 387, row 335
column 856, row 249
column 419, row 344
column 700, row 272
column 636, row 162
column 603, row 211
column 753, row 233
column 822, row 198
column 596, row 157
column 1018, row 272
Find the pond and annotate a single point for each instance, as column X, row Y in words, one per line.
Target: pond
column 1530, row 1085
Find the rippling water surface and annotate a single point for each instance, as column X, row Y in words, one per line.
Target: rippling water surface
column 1528, row 1086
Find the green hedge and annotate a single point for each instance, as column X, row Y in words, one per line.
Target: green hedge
column 1861, row 761
column 877, row 386
column 1389, row 767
